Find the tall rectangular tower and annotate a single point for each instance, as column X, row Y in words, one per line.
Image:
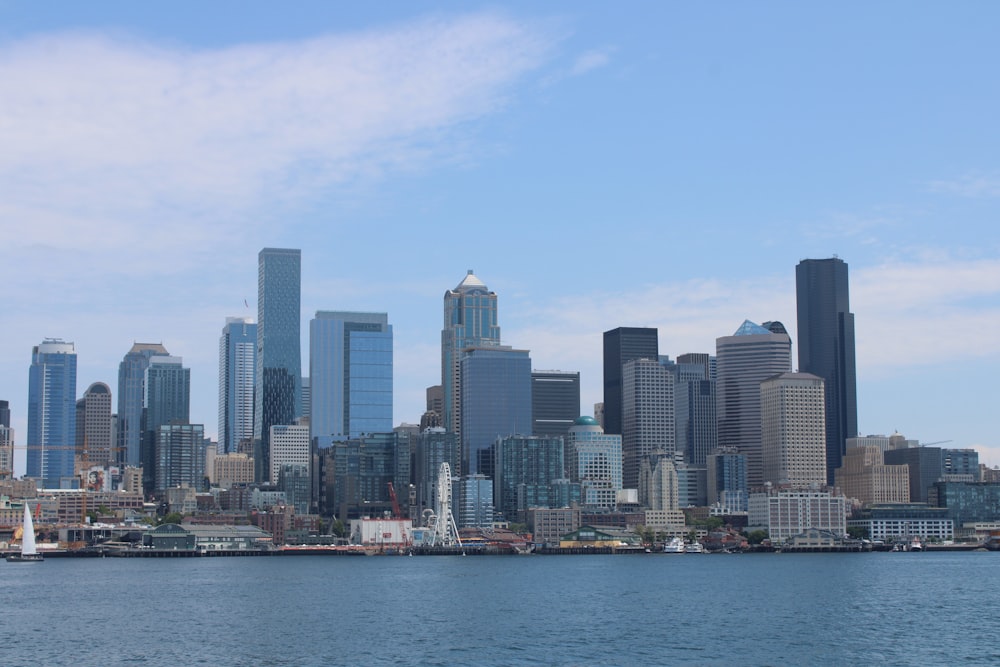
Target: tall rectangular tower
column 350, row 374
column 555, row 401
column 166, row 401
column 95, row 425
column 470, row 320
column 744, row 360
column 648, row 416
column 277, row 397
column 621, row 345
column 826, row 347
column 131, row 389
column 237, row 365
column 793, row 436
column 51, row 437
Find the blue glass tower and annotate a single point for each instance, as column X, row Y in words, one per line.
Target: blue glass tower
column 131, row 388
column 350, row 374
column 167, row 401
column 277, row 398
column 237, row 365
column 51, row 411
column 496, row 401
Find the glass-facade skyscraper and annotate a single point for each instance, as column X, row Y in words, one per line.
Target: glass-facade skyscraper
column 131, row 388
column 167, row 401
column 621, row 345
column 470, row 320
column 51, row 437
column 350, row 375
column 555, row 401
column 237, row 365
column 826, row 348
column 277, row 399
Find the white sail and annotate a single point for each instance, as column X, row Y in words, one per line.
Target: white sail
column 28, row 539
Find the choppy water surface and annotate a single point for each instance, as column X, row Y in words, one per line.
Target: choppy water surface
column 767, row 609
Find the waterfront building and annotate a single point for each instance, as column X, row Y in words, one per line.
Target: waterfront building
column 295, row 481
column 647, row 414
column 131, row 394
column 232, row 469
column 278, row 377
column 620, row 346
column 826, row 347
column 180, row 456
column 51, row 440
column 555, row 402
column 548, row 525
column 864, row 477
column 470, row 320
column 350, row 375
column 787, row 512
column 431, row 448
column 355, row 474
column 237, row 365
column 522, row 463
column 793, row 439
column 475, row 502
column 745, row 359
column 694, row 408
column 496, row 401
column 166, row 400
column 967, row 502
column 894, row 522
column 289, row 444
column 924, row 465
column 594, row 459
column 727, row 479
column 95, row 426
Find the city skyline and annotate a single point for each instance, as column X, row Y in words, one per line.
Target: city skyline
column 575, row 154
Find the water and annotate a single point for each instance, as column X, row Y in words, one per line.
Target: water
column 766, row 609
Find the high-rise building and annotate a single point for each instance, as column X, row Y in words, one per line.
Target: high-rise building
column 924, row 465
column 6, row 442
column 555, row 401
column 694, row 401
column 658, row 485
column 131, row 390
column 621, row 345
column 5, row 414
column 180, row 456
column 524, row 461
column 793, row 438
column 167, row 401
column 431, row 448
column 648, row 419
column 277, row 395
column 475, row 502
column 95, row 426
column 594, row 459
column 496, row 401
column 289, row 445
column 826, row 347
column 864, row 477
column 727, row 479
column 743, row 361
column 51, row 440
column 470, row 320
column 350, row 375
column 237, row 365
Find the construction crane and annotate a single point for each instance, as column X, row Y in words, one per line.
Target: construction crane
column 397, row 513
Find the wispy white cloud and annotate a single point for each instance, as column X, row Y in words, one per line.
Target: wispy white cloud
column 973, row 184
column 591, row 60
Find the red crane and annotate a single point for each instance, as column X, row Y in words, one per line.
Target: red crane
column 396, row 512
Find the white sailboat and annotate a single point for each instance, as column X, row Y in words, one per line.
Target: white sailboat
column 29, row 553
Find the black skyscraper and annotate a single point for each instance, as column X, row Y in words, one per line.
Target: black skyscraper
column 826, row 348
column 621, row 345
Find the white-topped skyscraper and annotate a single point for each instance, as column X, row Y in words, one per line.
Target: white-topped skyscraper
column 51, row 440
column 470, row 320
column 350, row 375
column 277, row 398
column 237, row 365
column 744, row 360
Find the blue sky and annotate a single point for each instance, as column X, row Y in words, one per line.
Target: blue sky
column 660, row 165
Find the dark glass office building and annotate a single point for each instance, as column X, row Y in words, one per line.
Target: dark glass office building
column 555, row 401
column 826, row 348
column 621, row 345
column 277, row 397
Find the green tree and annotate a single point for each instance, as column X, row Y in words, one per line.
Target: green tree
column 857, row 532
column 172, row 517
column 714, row 522
column 756, row 536
column 519, row 528
column 337, row 528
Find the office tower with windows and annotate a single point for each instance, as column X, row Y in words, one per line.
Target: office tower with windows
column 167, row 401
column 744, row 360
column 350, row 375
column 727, row 479
column 431, row 448
column 793, row 433
column 277, row 395
column 694, row 401
column 826, row 347
column 496, row 401
column 648, row 418
column 180, row 456
column 131, row 389
column 621, row 345
column 521, row 465
column 594, row 459
column 237, row 365
column 555, row 401
column 95, row 426
column 289, row 445
column 470, row 320
column 51, row 440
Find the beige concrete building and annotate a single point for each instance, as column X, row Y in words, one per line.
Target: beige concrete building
column 232, row 469
column 793, row 430
column 865, row 477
